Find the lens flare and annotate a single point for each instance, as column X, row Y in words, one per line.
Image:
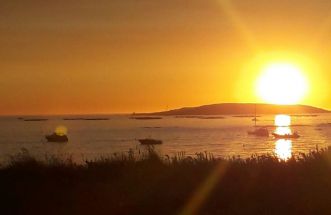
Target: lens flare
column 61, row 130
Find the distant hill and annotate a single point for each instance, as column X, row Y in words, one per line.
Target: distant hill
column 242, row 108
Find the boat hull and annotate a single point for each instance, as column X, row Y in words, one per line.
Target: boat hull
column 57, row 138
column 150, row 142
column 286, row 136
column 261, row 132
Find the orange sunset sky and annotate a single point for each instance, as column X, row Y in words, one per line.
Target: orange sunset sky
column 115, row 56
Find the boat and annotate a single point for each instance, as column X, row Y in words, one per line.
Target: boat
column 260, row 132
column 149, row 141
column 286, row 136
column 57, row 138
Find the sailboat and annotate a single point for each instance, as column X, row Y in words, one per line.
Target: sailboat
column 260, row 132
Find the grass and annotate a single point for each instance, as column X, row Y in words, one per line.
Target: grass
column 149, row 184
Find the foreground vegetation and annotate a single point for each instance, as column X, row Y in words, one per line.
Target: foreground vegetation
column 178, row 185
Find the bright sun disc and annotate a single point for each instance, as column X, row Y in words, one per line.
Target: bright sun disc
column 282, row 83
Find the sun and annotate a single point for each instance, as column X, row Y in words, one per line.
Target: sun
column 282, row 83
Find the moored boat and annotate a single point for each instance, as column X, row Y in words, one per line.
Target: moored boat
column 57, row 138
column 149, row 141
column 261, row 132
column 286, row 136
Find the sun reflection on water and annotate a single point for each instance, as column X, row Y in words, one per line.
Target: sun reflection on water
column 282, row 120
column 283, row 130
column 283, row 149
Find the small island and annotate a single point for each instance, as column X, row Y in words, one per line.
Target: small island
column 242, row 109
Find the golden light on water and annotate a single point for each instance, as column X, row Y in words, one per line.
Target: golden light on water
column 283, row 149
column 282, row 120
column 61, row 130
column 282, row 83
column 283, row 130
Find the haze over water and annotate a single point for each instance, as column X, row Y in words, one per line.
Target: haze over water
column 221, row 137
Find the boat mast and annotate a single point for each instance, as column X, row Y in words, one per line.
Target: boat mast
column 254, row 114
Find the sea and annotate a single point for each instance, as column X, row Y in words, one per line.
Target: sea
column 222, row 136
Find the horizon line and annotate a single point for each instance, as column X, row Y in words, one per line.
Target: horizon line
column 131, row 112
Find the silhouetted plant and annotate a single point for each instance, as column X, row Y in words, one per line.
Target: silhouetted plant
column 148, row 183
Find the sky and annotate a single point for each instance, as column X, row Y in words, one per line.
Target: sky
column 122, row 56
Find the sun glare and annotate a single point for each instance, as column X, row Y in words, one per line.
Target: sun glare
column 282, row 120
column 283, row 149
column 282, row 83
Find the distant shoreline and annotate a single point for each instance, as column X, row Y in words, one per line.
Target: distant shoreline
column 212, row 109
column 242, row 109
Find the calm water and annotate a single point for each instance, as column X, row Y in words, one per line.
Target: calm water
column 222, row 137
